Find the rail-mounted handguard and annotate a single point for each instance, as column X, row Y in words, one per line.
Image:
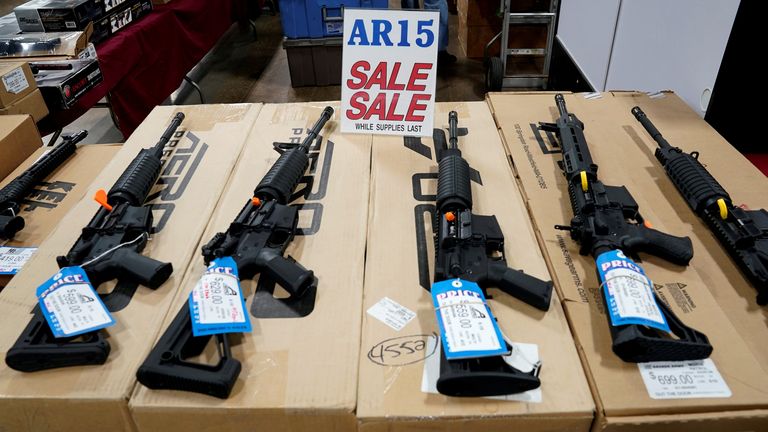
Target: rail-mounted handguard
column 13, row 194
column 471, row 247
column 743, row 233
column 108, row 248
column 607, row 218
column 256, row 240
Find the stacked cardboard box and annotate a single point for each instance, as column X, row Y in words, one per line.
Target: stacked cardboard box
column 734, row 395
column 299, row 365
column 197, row 164
column 396, row 359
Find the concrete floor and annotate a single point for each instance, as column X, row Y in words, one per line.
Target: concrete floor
column 250, row 65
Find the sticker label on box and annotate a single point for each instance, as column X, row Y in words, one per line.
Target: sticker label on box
column 12, row 259
column 15, row 81
column 467, row 326
column 391, row 313
column 216, row 304
column 70, row 305
column 683, row 380
column 628, row 292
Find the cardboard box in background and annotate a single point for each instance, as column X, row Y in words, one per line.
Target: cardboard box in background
column 32, row 104
column 53, row 15
column 624, row 403
column 54, row 196
column 198, row 162
column 297, row 373
column 117, row 19
column 19, row 138
column 17, row 82
column 746, row 185
column 399, row 265
column 62, row 89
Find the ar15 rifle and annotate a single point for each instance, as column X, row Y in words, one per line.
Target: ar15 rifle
column 12, row 195
column 256, row 240
column 606, row 218
column 465, row 247
column 109, row 248
column 743, row 233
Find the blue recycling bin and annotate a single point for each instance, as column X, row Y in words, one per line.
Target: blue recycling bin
column 319, row 18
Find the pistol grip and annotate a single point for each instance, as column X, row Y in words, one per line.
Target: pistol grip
column 525, row 287
column 138, row 268
column 37, row 349
column 677, row 250
column 289, row 274
column 10, row 225
column 166, row 366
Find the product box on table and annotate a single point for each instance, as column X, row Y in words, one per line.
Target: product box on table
column 51, row 199
column 32, row 104
column 117, row 19
column 728, row 391
column 745, row 184
column 59, row 15
column 299, row 364
column 19, row 138
column 399, row 269
column 196, row 166
column 63, row 82
column 17, row 82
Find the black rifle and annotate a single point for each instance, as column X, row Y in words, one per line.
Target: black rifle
column 471, row 247
column 256, row 240
column 743, row 233
column 108, row 248
column 14, row 45
column 607, row 218
column 13, row 194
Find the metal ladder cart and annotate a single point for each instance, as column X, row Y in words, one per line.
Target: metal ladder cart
column 531, row 64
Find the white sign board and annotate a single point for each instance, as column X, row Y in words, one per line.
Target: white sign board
column 389, row 70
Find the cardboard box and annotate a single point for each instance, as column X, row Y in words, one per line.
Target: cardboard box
column 17, row 80
column 62, row 88
column 32, row 104
column 399, row 265
column 197, row 165
column 297, row 373
column 59, row 15
column 623, row 401
column 52, row 198
column 18, row 139
column 9, row 25
column 116, row 20
column 479, row 12
column 746, row 185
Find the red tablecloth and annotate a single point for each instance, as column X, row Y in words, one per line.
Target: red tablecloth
column 145, row 62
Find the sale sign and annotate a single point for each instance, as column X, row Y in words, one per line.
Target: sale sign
column 389, row 70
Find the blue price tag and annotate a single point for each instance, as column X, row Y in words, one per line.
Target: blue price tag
column 70, row 304
column 216, row 304
column 628, row 292
column 468, row 329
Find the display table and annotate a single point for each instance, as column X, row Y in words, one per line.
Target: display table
column 147, row 61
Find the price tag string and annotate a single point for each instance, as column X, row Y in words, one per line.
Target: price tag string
column 626, row 276
column 109, row 251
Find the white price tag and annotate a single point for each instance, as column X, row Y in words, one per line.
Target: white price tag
column 633, row 295
column 12, row 259
column 74, row 308
column 524, row 357
column 218, row 299
column 15, row 81
column 683, row 380
column 391, row 313
column 466, row 323
column 628, row 292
